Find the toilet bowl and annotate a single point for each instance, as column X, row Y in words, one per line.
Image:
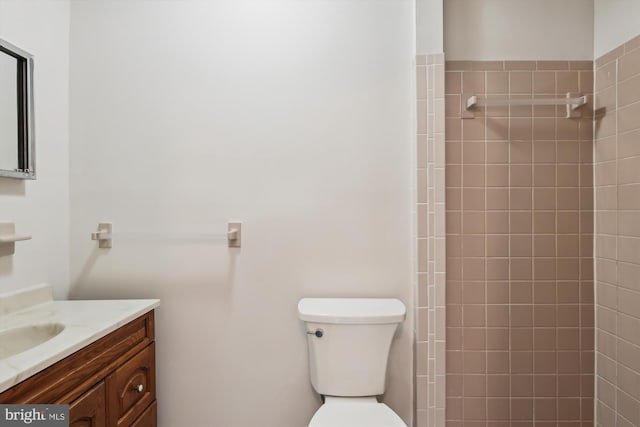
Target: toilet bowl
column 349, row 341
column 355, row 412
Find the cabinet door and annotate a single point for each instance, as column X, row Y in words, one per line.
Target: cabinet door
column 132, row 388
column 89, row 410
column 148, row 417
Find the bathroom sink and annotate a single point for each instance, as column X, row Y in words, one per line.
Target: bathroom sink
column 17, row 340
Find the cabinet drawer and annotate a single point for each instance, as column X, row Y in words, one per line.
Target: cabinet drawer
column 89, row 409
column 131, row 388
column 148, row 417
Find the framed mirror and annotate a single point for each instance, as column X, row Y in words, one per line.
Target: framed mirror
column 17, row 139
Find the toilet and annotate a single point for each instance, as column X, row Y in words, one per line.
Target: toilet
column 349, row 341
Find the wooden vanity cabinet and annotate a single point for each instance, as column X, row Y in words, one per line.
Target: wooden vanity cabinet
column 109, row 383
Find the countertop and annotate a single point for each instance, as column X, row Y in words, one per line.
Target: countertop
column 85, row 322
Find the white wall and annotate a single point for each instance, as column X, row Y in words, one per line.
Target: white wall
column 429, row 26
column 518, row 29
column 616, row 21
column 41, row 207
column 292, row 116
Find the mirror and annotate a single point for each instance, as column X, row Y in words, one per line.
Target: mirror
column 17, row 143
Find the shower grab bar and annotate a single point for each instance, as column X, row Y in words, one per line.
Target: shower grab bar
column 572, row 101
column 105, row 234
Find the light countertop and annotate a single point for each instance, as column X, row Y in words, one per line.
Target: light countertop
column 84, row 322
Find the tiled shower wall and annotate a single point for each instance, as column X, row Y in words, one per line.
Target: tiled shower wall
column 430, row 240
column 617, row 185
column 519, row 224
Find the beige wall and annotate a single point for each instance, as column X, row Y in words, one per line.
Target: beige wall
column 429, row 27
column 518, row 29
column 294, row 117
column 41, row 208
column 617, row 186
column 519, row 201
column 615, row 22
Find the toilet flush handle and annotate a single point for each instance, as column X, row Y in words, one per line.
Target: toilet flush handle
column 318, row 333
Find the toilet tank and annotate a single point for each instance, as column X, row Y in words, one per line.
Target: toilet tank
column 350, row 357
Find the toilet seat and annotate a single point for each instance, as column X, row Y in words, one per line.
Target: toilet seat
column 355, row 412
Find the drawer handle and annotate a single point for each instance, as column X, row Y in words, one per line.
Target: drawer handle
column 139, row 388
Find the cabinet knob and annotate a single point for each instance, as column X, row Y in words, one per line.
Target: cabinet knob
column 139, row 388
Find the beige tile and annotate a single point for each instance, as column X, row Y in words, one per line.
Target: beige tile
column 544, row 198
column 473, row 246
column 606, row 197
column 497, row 199
column 581, row 65
column 545, row 362
column 473, row 199
column 497, row 82
column 522, row 361
column 520, row 198
column 520, row 175
column 572, row 222
column 606, row 76
column 497, row 269
column 568, row 198
column 497, row 176
column 473, row 316
column 453, row 176
column 487, row 65
column 520, row 269
column 453, row 129
column 628, row 118
column 629, row 91
column 521, row 82
column 543, row 268
column 473, row 176
column 544, row 175
column 473, row 130
column 568, row 245
column 544, row 151
column 567, row 81
column 520, row 65
column 521, row 293
column 544, row 82
column 610, row 56
column 453, row 152
column 629, row 65
column 497, row 129
column 521, row 129
column 474, row 385
column 629, row 249
column 568, row 152
column 544, row 129
column 628, row 144
column 454, row 198
column 497, row 222
column 520, row 222
column 473, row 82
column 497, row 246
column 629, row 196
column 453, row 82
column 553, row 65
column 521, row 245
column 567, row 129
column 497, row 152
column 628, row 223
column 567, row 176
column 473, row 152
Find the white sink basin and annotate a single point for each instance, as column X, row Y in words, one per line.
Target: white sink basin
column 17, row 340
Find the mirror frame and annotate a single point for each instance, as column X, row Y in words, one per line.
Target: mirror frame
column 26, row 114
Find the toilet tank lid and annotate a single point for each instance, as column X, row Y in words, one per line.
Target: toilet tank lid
column 351, row 310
